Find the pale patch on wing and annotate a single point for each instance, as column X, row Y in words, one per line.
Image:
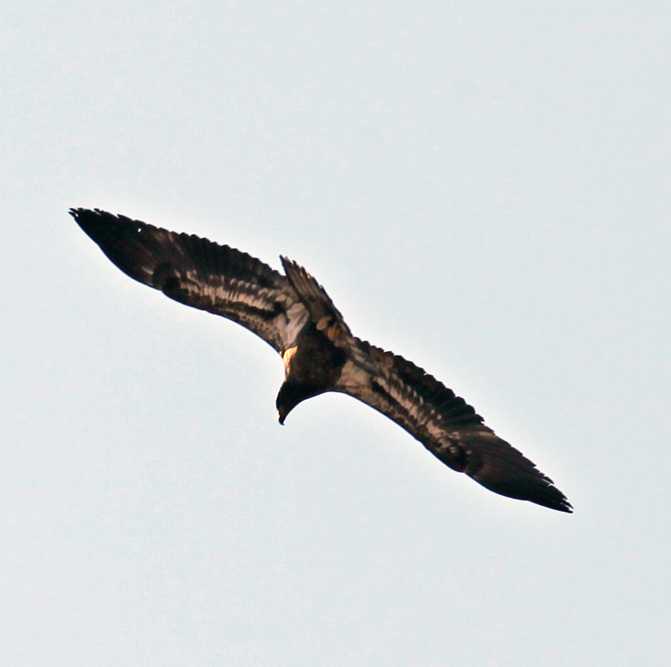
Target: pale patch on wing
column 295, row 318
column 384, row 392
column 270, row 313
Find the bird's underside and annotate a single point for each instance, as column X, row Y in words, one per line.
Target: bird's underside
column 296, row 317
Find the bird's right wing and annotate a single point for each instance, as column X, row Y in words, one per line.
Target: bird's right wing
column 201, row 274
column 447, row 426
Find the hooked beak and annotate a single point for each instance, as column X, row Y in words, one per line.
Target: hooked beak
column 281, row 416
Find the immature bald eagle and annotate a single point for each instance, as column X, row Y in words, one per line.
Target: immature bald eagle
column 294, row 314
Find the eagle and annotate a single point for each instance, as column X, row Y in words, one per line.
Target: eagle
column 294, row 314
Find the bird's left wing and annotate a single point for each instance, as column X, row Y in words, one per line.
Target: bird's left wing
column 447, row 426
column 200, row 273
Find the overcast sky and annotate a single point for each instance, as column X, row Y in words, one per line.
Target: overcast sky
column 482, row 188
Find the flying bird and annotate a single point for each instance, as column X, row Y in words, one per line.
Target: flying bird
column 294, row 314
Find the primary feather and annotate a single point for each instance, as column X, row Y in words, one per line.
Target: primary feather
column 295, row 316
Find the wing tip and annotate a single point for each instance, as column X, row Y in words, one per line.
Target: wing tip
column 91, row 220
column 538, row 491
column 291, row 268
column 559, row 503
column 78, row 214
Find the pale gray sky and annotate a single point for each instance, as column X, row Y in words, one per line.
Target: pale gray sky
column 482, row 188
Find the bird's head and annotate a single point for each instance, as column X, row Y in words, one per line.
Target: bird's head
column 291, row 394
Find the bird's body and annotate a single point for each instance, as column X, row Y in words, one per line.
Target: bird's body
column 295, row 316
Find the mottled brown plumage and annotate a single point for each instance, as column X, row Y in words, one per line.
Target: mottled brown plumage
column 294, row 314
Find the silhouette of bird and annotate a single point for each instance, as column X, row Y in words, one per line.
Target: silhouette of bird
column 293, row 313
